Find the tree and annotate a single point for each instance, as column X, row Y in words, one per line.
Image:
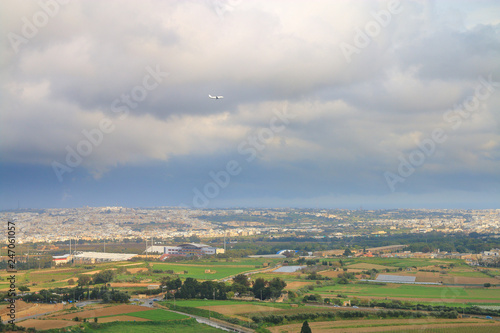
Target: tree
column 164, row 280
column 258, row 287
column 276, row 285
column 104, row 276
column 71, row 282
column 487, row 285
column 189, row 288
column 174, row 284
column 207, row 289
column 105, row 297
column 23, row 288
column 119, row 297
column 305, row 328
column 347, row 252
column 241, row 279
column 239, row 288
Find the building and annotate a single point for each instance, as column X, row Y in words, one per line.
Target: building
column 190, row 249
column 60, row 260
column 94, row 257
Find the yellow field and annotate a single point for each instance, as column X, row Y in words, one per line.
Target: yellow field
column 381, row 325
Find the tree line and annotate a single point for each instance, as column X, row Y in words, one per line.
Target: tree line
column 192, row 288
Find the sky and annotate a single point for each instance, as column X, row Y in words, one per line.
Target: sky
column 326, row 104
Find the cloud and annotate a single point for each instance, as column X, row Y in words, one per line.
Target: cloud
column 352, row 120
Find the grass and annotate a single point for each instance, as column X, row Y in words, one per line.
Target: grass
column 157, row 315
column 411, row 291
column 199, row 302
column 203, row 303
column 286, row 277
column 184, row 326
column 400, row 262
column 469, row 274
column 198, row 272
column 233, row 262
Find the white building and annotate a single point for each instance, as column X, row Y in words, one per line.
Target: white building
column 190, row 249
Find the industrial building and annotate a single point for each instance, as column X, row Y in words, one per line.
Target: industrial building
column 190, row 249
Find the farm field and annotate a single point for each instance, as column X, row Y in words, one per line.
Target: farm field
column 105, row 314
column 46, row 324
column 233, row 262
column 198, row 271
column 294, row 285
column 366, row 266
column 398, row 262
column 157, row 315
column 387, row 325
column 479, row 328
column 453, row 276
column 24, row 309
column 102, row 312
column 197, row 303
column 185, row 326
column 37, row 279
column 441, row 293
column 240, row 308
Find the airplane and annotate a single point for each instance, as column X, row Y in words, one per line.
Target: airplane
column 215, row 97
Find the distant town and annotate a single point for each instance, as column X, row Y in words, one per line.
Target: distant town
column 119, row 223
column 163, row 230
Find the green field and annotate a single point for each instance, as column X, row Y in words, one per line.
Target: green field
column 400, row 262
column 237, row 262
column 157, row 315
column 197, row 302
column 184, row 326
column 411, row 291
column 198, row 272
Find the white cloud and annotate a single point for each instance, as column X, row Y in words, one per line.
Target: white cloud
column 261, row 55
